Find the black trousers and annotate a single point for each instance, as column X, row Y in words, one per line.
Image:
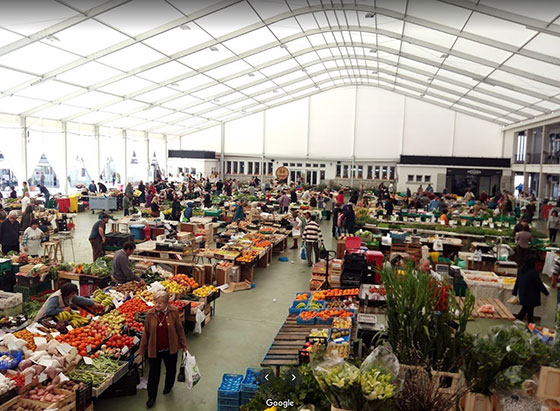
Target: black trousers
column 526, row 310
column 170, row 361
column 553, row 232
column 329, row 215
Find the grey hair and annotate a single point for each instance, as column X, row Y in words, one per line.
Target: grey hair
column 161, row 294
column 13, row 213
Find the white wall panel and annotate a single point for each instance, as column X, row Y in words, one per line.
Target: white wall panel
column 245, row 136
column 208, row 139
column 378, row 124
column 332, row 123
column 428, row 129
column 286, row 129
column 509, row 141
column 476, row 138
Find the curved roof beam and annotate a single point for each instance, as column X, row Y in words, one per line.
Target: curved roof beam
column 283, row 16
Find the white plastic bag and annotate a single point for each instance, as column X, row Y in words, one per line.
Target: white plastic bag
column 200, row 317
column 192, row 374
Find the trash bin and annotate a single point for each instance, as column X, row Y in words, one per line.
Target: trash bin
column 73, row 203
column 137, row 230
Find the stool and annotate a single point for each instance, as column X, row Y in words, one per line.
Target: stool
column 52, row 250
column 67, row 236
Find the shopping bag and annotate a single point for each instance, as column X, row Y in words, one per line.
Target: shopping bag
column 302, row 253
column 200, row 317
column 192, row 374
column 181, row 377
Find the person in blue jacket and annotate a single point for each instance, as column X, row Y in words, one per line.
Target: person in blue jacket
column 239, row 213
column 188, row 213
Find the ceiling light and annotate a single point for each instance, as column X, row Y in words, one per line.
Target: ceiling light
column 52, row 38
column 251, row 74
column 184, row 27
column 444, row 55
column 275, row 91
column 429, row 79
column 283, row 46
column 214, row 48
column 216, row 100
column 174, row 84
column 370, row 15
column 373, row 51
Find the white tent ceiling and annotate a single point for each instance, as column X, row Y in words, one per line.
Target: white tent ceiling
column 175, row 66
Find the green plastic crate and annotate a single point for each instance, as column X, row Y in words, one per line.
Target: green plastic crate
column 5, row 265
column 34, row 290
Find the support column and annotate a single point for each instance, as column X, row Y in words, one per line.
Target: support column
column 353, row 143
column 98, row 152
column 263, row 147
column 148, row 158
column 125, row 181
column 64, row 186
column 222, row 150
column 528, row 143
column 542, row 188
column 25, row 136
column 166, row 154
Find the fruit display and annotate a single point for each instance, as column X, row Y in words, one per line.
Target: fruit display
column 185, row 281
column 45, row 394
column 337, row 292
column 338, row 304
column 319, row 295
column 87, row 376
column 342, row 323
column 341, row 350
column 75, row 320
column 301, row 305
column 204, row 291
column 21, row 405
column 262, row 244
column 102, row 298
column 314, row 305
column 85, row 339
column 302, row 296
column 307, row 315
column 180, row 304
column 319, row 333
column 173, row 287
column 18, row 378
column 114, row 321
column 27, row 336
column 146, row 295
column 130, row 308
column 337, row 333
column 114, row 345
column 248, row 256
column 334, row 313
column 130, row 287
column 12, row 322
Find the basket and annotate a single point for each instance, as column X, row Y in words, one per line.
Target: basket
column 323, row 321
column 8, row 365
column 321, row 303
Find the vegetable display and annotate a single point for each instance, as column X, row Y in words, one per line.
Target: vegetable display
column 46, row 394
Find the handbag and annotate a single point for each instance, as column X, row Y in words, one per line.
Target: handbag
column 189, row 372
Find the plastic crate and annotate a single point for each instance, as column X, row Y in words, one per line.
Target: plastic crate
column 321, row 303
column 83, row 396
column 229, row 402
column 251, row 381
column 230, row 386
column 8, row 365
column 28, row 292
column 345, row 338
column 5, row 265
column 300, row 320
column 295, row 311
column 308, row 296
column 323, row 321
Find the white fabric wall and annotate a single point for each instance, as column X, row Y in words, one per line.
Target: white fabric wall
column 476, row 138
column 245, row 135
column 331, row 123
column 208, row 139
column 378, row 129
column 286, row 129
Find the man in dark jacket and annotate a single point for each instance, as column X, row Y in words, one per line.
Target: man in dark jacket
column 219, row 187
column 102, row 187
column 9, row 233
column 529, row 286
column 92, row 187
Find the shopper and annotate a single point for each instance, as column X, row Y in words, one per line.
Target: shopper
column 284, row 202
column 312, row 237
column 340, row 197
column 62, row 300
column 163, row 336
column 529, row 286
column 13, row 193
column 97, row 236
column 354, row 198
column 25, row 189
column 349, row 219
column 530, row 210
column 523, row 224
column 142, row 189
column 149, row 198
column 207, row 200
column 9, row 233
column 126, row 204
column 188, row 213
column 155, row 211
column 293, row 196
column 26, row 218
column 129, row 190
column 31, row 240
column 296, row 229
column 523, row 242
column 329, row 204
column 92, row 188
column 45, row 193
column 313, row 201
column 121, row 272
column 25, row 201
column 176, row 208
column 336, row 214
column 553, row 224
column 239, row 214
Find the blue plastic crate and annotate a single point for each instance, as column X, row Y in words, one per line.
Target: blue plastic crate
column 13, row 363
column 251, row 381
column 230, row 386
column 228, row 402
column 227, row 408
column 295, row 311
column 300, row 320
column 324, row 321
column 308, row 296
column 322, row 305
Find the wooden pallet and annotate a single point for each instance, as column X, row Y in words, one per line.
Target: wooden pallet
column 502, row 313
column 284, row 350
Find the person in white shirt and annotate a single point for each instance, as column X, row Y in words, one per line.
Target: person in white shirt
column 25, row 201
column 31, row 240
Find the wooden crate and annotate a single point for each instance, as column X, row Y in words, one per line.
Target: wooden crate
column 97, row 391
column 476, row 402
column 25, row 401
column 447, row 382
column 549, row 384
column 68, row 403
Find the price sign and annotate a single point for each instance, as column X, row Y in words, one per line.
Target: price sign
column 88, row 360
column 28, row 379
column 63, row 378
column 69, row 327
column 88, row 348
column 39, row 340
column 135, row 340
column 42, row 377
column 124, row 350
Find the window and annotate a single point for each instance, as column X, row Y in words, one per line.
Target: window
column 250, row 167
column 257, row 167
column 384, row 172
column 315, row 165
column 322, row 175
column 270, row 167
column 292, row 164
column 308, row 165
column 242, row 167
column 377, row 172
column 299, row 164
column 228, row 168
column 427, row 179
column 360, row 171
column 235, row 167
column 323, row 166
column 338, row 170
column 354, row 172
column 369, row 172
column 285, row 164
column 345, row 175
column 521, row 148
column 418, row 179
column 392, row 173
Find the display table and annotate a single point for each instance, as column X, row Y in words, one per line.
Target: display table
column 150, row 247
column 502, row 313
column 103, row 203
column 174, row 264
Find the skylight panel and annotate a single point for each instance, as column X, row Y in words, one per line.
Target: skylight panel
column 73, row 39
column 267, row 9
column 153, row 113
column 266, row 56
column 37, row 58
column 17, row 104
column 157, row 94
column 165, row 72
column 206, row 57
column 481, row 50
column 88, row 74
column 94, row 117
column 48, row 90
column 228, row 69
column 251, row 40
column 195, row 81
column 546, row 44
column 126, row 86
column 211, row 91
column 18, row 19
column 58, row 112
column 280, row 67
column 91, row 99
column 307, row 21
column 179, row 39
column 125, row 106
column 498, row 29
column 131, row 57
column 438, row 12
column 11, row 78
column 181, row 102
column 7, row 37
column 228, row 20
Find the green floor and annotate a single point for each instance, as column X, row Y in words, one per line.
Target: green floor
column 242, row 329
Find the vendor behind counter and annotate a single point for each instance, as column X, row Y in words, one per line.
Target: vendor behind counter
column 62, row 300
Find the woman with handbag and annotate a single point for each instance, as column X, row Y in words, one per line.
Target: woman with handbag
column 162, row 338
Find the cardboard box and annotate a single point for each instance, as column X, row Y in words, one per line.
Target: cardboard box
column 222, row 275
column 185, row 236
column 208, row 273
column 198, row 274
column 188, row 227
column 234, row 274
column 244, row 285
